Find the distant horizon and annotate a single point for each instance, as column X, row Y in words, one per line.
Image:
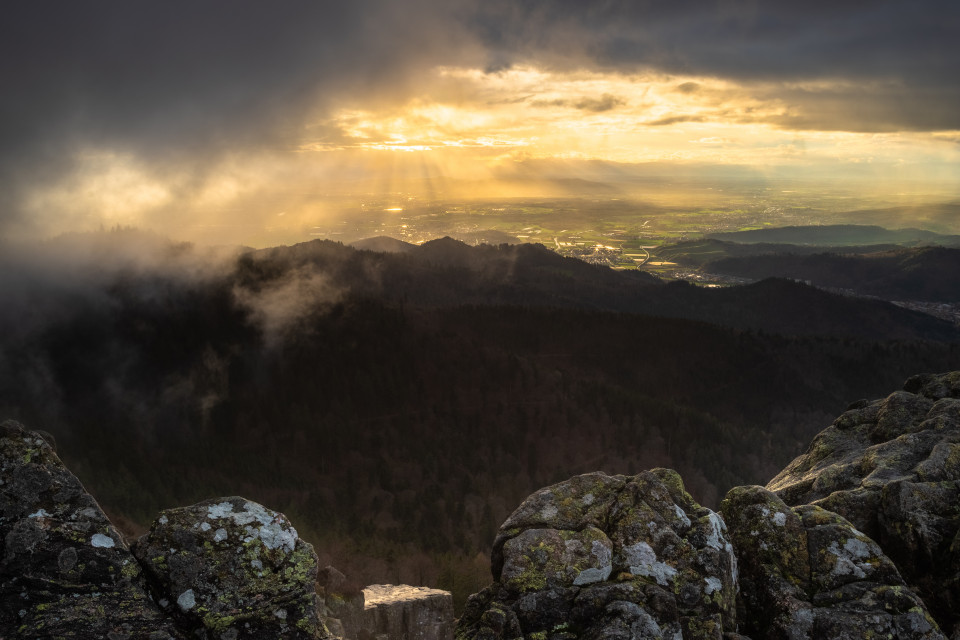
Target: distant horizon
column 253, row 121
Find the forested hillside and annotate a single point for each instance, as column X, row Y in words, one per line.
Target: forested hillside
column 396, row 407
column 930, row 274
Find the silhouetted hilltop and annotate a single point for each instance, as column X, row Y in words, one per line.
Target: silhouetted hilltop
column 839, row 235
column 447, row 272
column 384, row 244
column 698, row 253
column 926, row 273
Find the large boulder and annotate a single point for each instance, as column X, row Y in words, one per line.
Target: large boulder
column 603, row 556
column 892, row 468
column 65, row 572
column 229, row 568
column 808, row 573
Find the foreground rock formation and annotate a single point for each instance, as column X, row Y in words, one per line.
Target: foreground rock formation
column 406, row 613
column 857, row 538
column 64, row 566
column 892, row 468
column 232, row 564
column 808, row 573
column 603, row 556
column 223, row 569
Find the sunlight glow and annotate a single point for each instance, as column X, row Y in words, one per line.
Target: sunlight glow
column 529, row 113
column 515, row 133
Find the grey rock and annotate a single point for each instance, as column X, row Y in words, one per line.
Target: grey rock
column 230, row 566
column 402, row 612
column 65, row 572
column 808, row 573
column 606, row 557
column 892, row 468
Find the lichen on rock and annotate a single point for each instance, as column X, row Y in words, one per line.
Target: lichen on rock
column 604, row 556
column 808, row 573
column 65, row 571
column 892, row 468
column 232, row 566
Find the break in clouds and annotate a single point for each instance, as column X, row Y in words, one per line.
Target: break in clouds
column 180, row 90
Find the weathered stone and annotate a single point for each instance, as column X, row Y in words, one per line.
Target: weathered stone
column 231, row 567
column 606, row 557
column 66, row 572
column 343, row 605
column 402, row 612
column 808, row 573
column 892, row 468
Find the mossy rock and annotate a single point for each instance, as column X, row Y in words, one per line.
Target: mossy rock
column 66, row 572
column 808, row 572
column 608, row 557
column 232, row 565
column 892, row 468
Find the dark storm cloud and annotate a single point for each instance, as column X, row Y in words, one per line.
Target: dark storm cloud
column 179, row 82
column 178, row 85
column 915, row 44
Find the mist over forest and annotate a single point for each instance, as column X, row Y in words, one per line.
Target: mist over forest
column 398, row 406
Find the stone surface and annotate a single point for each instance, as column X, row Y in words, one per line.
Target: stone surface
column 402, row 612
column 343, row 605
column 604, row 556
column 892, row 468
column 230, row 568
column 808, row 573
column 65, row 571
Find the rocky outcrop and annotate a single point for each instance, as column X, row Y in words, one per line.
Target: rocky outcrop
column 231, row 568
column 603, row 556
column 808, row 573
column 402, row 612
column 892, row 468
column 854, row 539
column 223, row 569
column 65, row 571
column 385, row 611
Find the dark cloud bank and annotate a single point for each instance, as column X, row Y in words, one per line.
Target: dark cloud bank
column 178, row 85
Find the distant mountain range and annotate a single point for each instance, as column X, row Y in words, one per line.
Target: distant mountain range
column 446, row 272
column 837, row 235
column 908, row 267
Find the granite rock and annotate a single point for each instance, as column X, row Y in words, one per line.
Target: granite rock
column 229, row 568
column 808, row 573
column 66, row 572
column 892, row 468
column 603, row 556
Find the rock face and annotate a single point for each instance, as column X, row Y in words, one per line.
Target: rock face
column 892, row 468
column 402, row 612
column 231, row 568
column 808, row 573
column 66, row 571
column 604, row 556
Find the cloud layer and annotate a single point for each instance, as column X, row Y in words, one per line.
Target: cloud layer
column 161, row 97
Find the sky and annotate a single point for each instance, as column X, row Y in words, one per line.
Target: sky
column 192, row 117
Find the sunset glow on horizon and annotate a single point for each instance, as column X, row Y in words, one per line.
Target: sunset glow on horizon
column 474, row 102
